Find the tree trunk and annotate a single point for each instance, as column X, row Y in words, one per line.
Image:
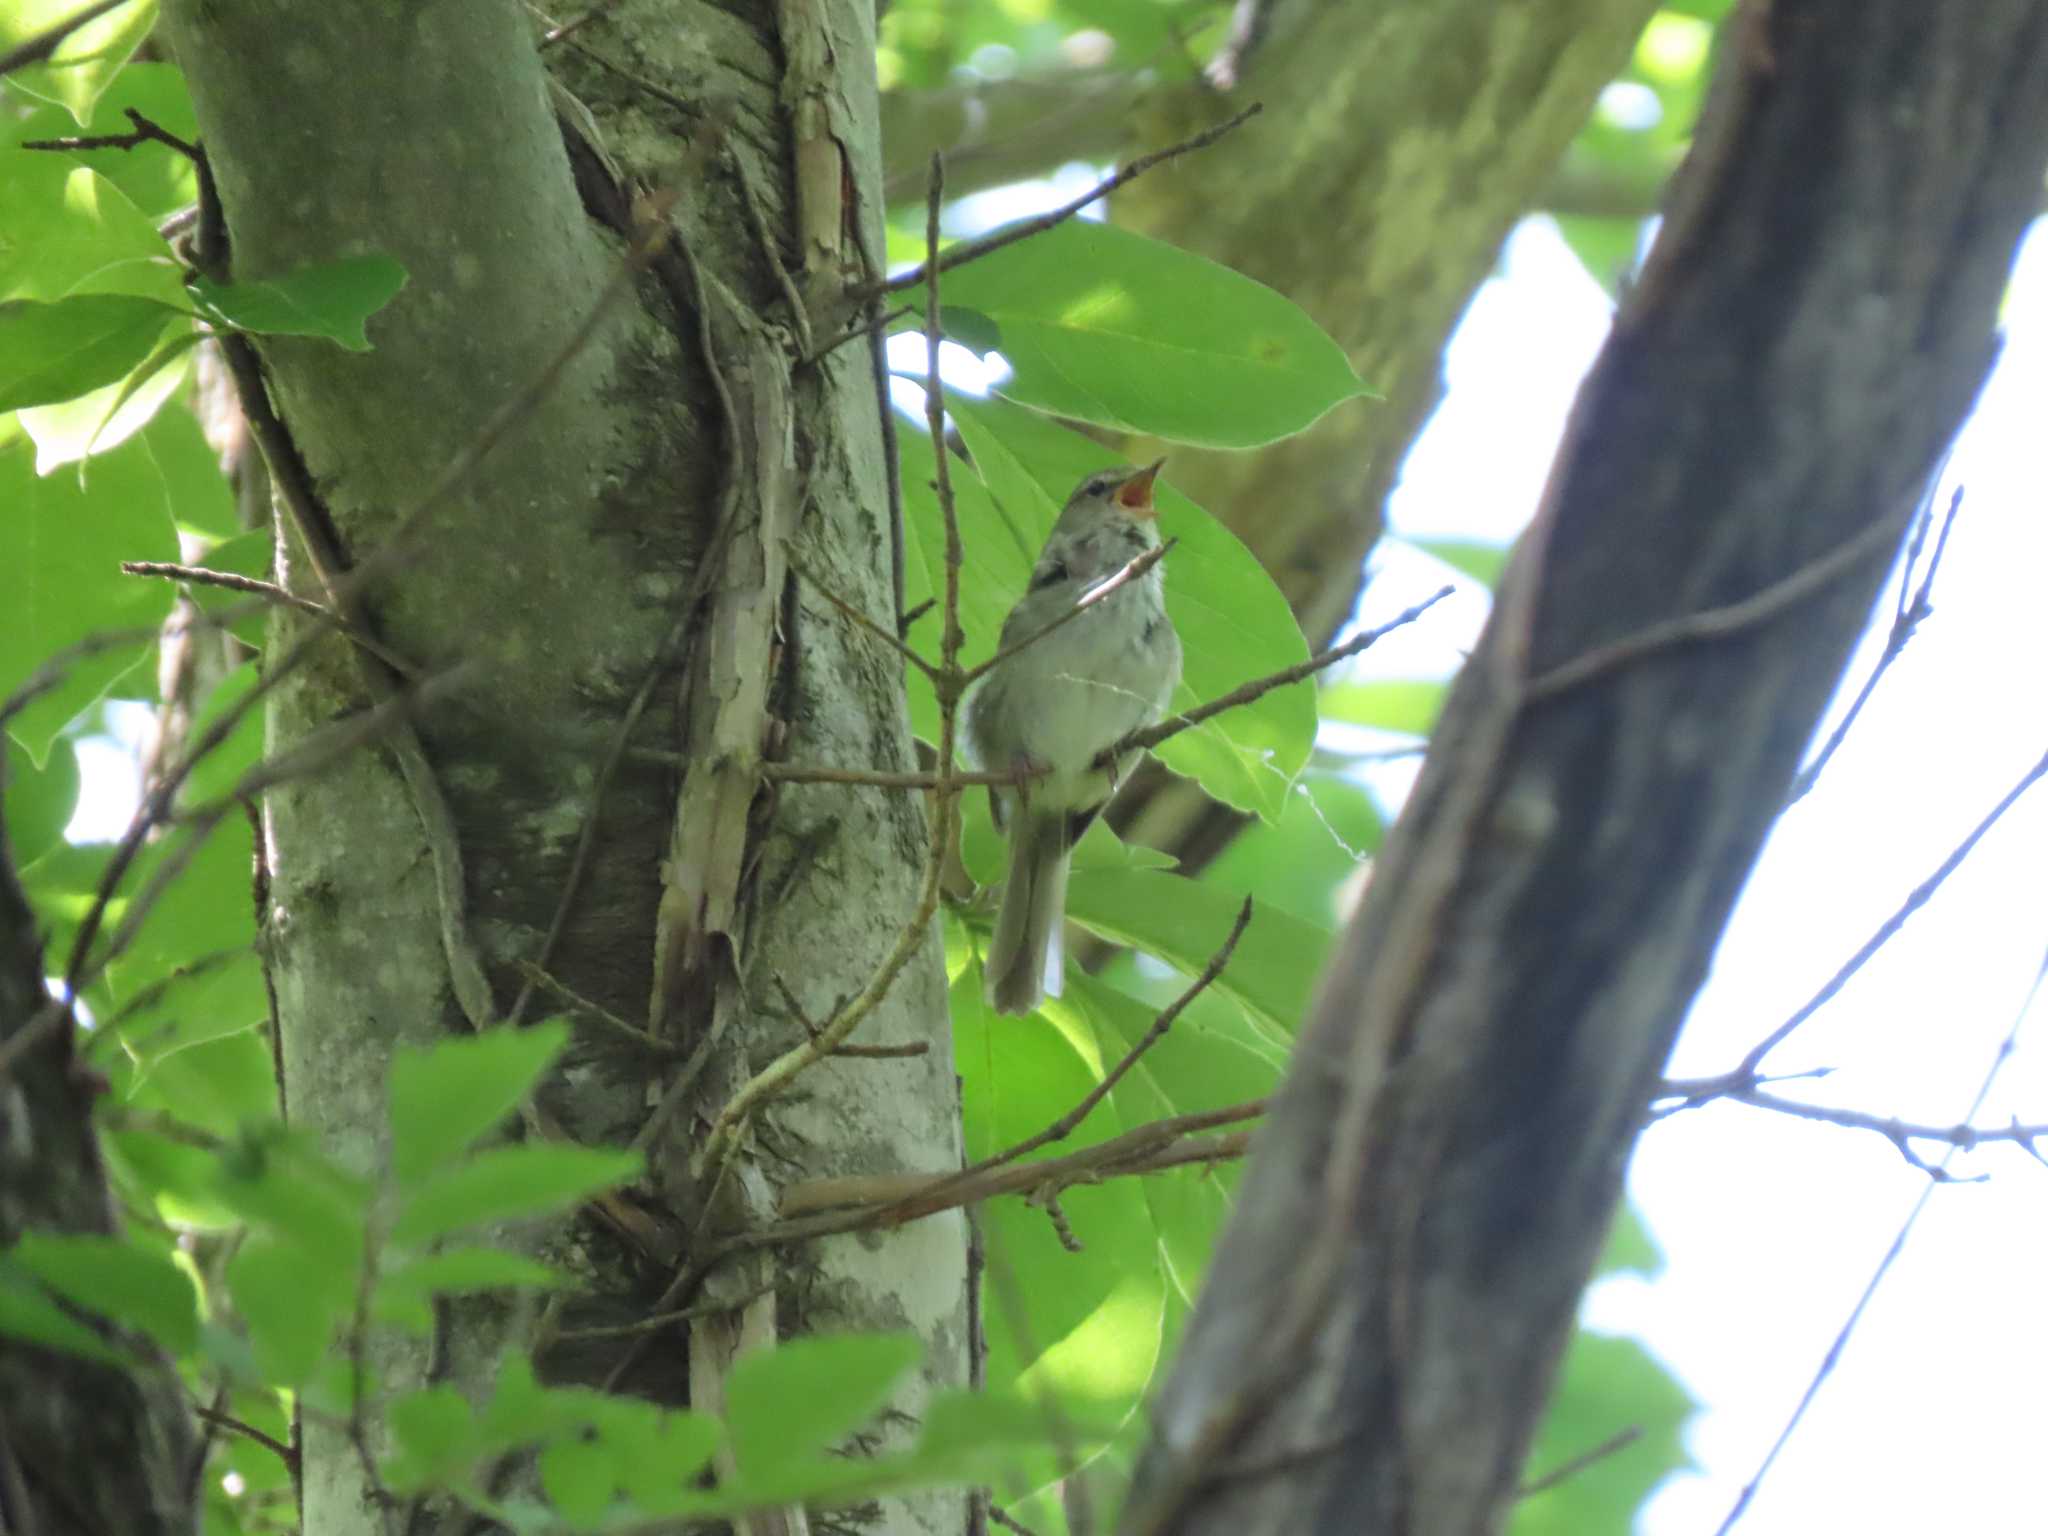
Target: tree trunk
column 1433, row 1184
column 629, row 528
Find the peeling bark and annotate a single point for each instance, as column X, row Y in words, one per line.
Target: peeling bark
column 555, row 576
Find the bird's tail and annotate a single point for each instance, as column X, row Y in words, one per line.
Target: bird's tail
column 1026, row 958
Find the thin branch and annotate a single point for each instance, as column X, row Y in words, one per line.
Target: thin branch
column 646, row 1039
column 860, row 620
column 1914, row 607
column 872, row 1201
column 854, row 333
column 1259, row 687
column 1127, row 573
column 1915, row 900
column 1717, row 623
column 1564, row 1473
column 269, row 592
column 229, row 1422
column 970, row 250
column 1901, row 1134
column 146, row 132
column 1898, row 1246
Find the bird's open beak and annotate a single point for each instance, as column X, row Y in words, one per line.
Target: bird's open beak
column 1135, row 494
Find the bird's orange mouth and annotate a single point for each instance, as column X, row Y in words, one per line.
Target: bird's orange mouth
column 1135, row 494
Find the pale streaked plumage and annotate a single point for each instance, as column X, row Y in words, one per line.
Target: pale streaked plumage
column 1056, row 704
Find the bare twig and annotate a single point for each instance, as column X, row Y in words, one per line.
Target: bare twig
column 970, row 250
column 860, row 620
column 1568, row 1470
column 1915, row 900
column 1914, row 607
column 1717, row 623
column 1129, row 572
column 146, row 132
column 874, row 1201
column 233, row 1425
column 1901, row 1134
column 646, row 1039
column 269, row 592
column 854, row 333
column 1891, row 1254
column 1259, row 687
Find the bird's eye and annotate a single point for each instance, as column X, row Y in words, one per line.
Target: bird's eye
column 1100, row 485
column 1049, row 575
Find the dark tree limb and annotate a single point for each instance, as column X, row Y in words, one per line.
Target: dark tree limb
column 1436, row 1177
column 84, row 1446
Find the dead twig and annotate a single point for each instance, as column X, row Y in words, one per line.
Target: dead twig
column 971, row 250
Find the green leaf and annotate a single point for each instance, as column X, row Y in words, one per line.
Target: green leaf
column 1084, row 1328
column 38, row 801
column 578, row 1477
column 1477, row 558
column 1107, row 326
column 27, row 1313
column 84, row 62
column 292, row 1298
column 1234, row 624
column 73, row 231
column 445, row 1098
column 103, row 419
column 403, row 1295
column 658, row 1455
column 437, row 1437
column 276, row 1179
column 510, row 1184
column 785, row 1404
column 331, row 300
column 70, row 532
column 1314, row 858
column 1186, row 921
column 123, row 1281
column 59, row 351
column 1405, row 705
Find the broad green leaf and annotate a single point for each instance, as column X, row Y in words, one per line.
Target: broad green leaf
column 509, row 1184
column 1234, row 624
column 1207, row 1060
column 276, row 1179
column 27, row 1313
column 445, row 1098
column 1313, row 859
column 1406, row 705
column 293, row 1299
column 1111, row 327
column 69, row 532
column 68, row 230
column 437, row 1437
column 578, row 1477
column 659, row 1454
column 402, row 1295
column 83, row 64
column 121, row 1280
column 104, row 419
column 1082, row 1327
column 1186, row 921
column 61, row 350
column 805, row 1395
column 331, row 300
column 1477, row 558
column 38, row 801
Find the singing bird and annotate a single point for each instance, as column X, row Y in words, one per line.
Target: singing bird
column 1059, row 702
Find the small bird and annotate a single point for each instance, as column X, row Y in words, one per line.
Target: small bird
column 1058, row 702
